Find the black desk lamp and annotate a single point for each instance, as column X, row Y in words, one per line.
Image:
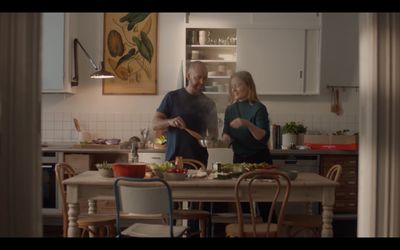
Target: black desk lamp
column 99, row 74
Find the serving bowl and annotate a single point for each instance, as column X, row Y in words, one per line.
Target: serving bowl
column 134, row 170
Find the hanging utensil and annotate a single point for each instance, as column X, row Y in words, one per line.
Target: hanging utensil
column 77, row 126
column 333, row 98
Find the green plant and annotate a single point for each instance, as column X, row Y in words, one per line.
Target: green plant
column 294, row 128
column 104, row 165
column 301, row 129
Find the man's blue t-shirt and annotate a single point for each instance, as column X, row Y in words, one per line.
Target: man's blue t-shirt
column 198, row 112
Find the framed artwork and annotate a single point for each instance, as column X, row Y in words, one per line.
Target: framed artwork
column 130, row 53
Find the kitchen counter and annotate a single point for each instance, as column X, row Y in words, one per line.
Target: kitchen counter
column 70, row 148
column 97, row 148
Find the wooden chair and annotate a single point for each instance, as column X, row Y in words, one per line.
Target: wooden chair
column 282, row 191
column 202, row 216
column 297, row 223
column 230, row 217
column 145, row 198
column 94, row 225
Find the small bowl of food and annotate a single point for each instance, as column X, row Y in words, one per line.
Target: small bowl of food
column 105, row 169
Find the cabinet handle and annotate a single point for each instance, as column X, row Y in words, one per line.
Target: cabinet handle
column 155, row 157
column 351, row 182
column 301, row 74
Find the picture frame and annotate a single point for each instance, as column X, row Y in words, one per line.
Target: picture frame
column 130, row 53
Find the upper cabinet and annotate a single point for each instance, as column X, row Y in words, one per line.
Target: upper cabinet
column 58, row 30
column 280, row 50
column 275, row 57
column 339, row 60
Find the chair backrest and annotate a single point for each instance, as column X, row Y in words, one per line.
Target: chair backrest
column 143, row 197
column 278, row 179
column 334, row 172
column 64, row 171
column 192, row 162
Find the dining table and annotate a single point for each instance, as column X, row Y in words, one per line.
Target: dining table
column 307, row 187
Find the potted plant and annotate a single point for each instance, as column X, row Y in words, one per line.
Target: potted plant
column 301, row 130
column 290, row 132
column 105, row 169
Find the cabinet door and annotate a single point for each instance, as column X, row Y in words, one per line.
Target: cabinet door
column 339, row 64
column 275, row 58
column 55, row 51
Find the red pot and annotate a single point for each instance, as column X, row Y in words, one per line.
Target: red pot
column 135, row 170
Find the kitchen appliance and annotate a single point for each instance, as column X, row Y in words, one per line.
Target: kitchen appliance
column 49, row 188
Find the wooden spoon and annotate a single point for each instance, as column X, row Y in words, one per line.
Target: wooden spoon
column 193, row 133
column 77, row 126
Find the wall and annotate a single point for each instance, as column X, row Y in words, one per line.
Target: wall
column 123, row 116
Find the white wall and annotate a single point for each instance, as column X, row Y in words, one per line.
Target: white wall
column 314, row 111
column 89, row 96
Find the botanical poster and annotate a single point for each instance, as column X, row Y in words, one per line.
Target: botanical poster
column 130, row 43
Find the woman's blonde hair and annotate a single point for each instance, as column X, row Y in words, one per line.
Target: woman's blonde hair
column 246, row 77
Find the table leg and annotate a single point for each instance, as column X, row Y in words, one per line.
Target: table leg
column 92, row 209
column 327, row 213
column 73, row 213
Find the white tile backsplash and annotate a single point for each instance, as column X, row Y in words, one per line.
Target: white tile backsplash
column 58, row 126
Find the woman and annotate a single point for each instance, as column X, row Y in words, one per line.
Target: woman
column 246, row 127
column 246, row 124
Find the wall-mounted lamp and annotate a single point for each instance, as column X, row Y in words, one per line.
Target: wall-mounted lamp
column 99, row 74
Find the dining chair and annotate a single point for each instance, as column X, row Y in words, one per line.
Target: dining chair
column 244, row 192
column 230, row 217
column 145, row 198
column 93, row 224
column 203, row 216
column 297, row 223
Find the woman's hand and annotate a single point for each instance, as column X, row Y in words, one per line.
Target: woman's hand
column 226, row 139
column 177, row 122
column 238, row 122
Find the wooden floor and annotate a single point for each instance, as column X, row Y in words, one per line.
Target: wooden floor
column 341, row 229
column 52, row 231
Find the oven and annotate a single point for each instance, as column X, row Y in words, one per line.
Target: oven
column 50, row 199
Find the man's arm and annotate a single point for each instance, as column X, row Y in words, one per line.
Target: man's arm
column 160, row 121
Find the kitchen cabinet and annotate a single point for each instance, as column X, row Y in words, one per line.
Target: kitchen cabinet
column 58, row 31
column 340, row 42
column 280, row 50
column 282, row 61
column 215, row 47
column 346, row 193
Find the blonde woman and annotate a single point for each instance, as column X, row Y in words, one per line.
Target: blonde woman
column 246, row 123
column 246, row 128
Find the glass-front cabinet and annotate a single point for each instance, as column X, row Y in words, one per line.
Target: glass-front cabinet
column 216, row 47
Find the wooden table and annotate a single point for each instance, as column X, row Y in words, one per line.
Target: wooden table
column 308, row 187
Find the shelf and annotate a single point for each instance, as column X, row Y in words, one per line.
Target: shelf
column 214, row 61
column 211, row 46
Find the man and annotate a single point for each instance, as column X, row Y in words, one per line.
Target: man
column 189, row 108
